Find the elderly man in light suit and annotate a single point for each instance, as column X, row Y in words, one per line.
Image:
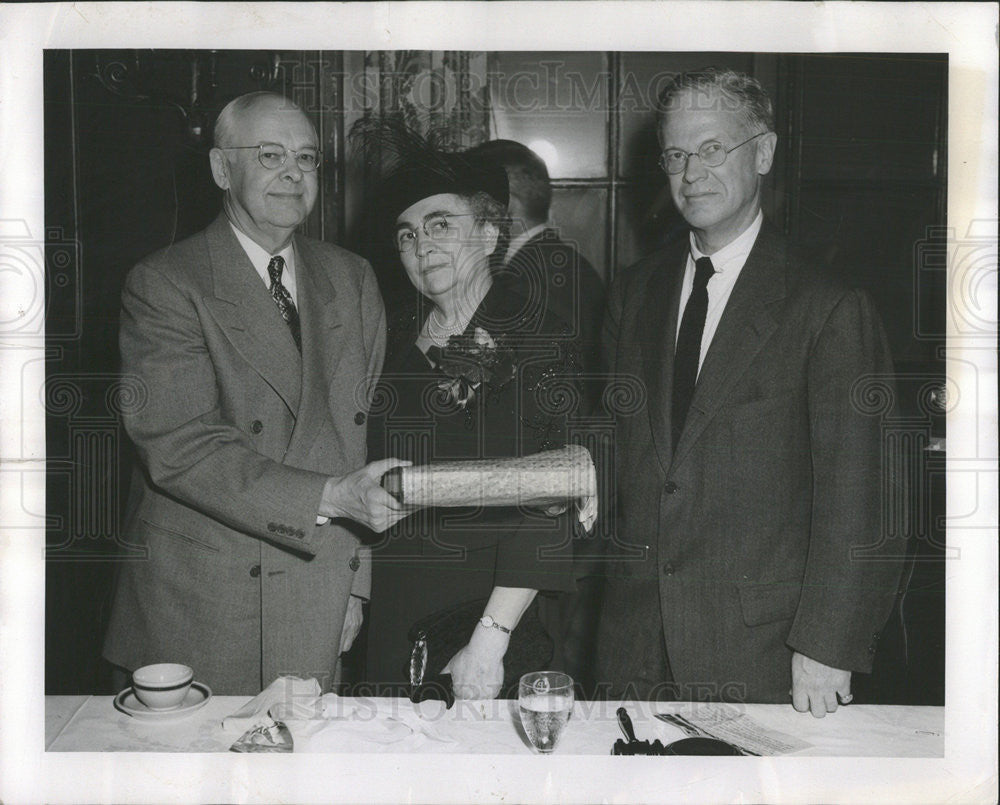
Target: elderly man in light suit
column 751, row 478
column 256, row 349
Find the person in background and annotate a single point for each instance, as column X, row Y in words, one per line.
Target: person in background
column 257, row 350
column 547, row 265
column 557, row 276
column 749, row 485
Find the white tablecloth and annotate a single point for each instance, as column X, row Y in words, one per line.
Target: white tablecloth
column 92, row 724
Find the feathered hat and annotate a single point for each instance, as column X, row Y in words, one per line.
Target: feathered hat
column 414, row 168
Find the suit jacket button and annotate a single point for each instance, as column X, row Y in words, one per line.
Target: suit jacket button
column 255, row 571
column 668, row 569
column 359, row 418
column 256, row 426
column 272, row 527
column 355, row 563
column 300, row 534
column 670, row 487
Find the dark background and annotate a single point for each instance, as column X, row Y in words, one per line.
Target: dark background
column 860, row 181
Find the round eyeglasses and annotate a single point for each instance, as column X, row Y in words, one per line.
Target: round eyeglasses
column 272, row 155
column 712, row 154
column 437, row 228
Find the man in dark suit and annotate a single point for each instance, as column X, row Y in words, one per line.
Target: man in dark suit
column 749, row 483
column 257, row 350
column 549, row 270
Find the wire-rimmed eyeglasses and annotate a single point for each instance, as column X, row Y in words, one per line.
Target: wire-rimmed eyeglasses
column 437, row 228
column 272, row 155
column 712, row 154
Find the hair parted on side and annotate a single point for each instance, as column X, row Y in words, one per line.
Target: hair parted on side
column 526, row 172
column 227, row 121
column 740, row 93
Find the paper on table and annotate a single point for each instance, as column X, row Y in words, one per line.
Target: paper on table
column 728, row 723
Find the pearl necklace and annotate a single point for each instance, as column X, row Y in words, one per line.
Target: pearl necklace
column 438, row 332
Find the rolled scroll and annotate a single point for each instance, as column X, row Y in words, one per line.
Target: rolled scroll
column 542, row 479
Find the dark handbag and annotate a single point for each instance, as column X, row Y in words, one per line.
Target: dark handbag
column 448, row 630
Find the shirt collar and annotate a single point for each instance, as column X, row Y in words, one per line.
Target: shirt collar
column 524, row 237
column 735, row 252
column 260, row 256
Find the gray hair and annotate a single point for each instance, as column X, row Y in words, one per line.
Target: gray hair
column 490, row 211
column 486, row 208
column 740, row 93
column 228, row 120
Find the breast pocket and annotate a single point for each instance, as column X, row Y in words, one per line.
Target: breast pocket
column 763, row 408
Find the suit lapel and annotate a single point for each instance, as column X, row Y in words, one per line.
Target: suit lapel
column 321, row 348
column 245, row 311
column 657, row 322
column 746, row 324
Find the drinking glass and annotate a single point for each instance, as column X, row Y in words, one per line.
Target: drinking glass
column 545, row 699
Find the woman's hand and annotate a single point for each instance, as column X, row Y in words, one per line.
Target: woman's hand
column 477, row 668
column 587, row 506
column 587, row 512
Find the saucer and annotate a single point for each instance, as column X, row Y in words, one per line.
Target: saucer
column 196, row 698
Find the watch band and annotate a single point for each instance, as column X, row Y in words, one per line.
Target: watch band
column 487, row 622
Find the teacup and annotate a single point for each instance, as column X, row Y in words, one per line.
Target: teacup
column 162, row 686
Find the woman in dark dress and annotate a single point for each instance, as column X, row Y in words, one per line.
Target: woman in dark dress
column 465, row 327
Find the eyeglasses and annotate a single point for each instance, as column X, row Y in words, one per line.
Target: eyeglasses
column 438, row 228
column 712, row 154
column 272, row 155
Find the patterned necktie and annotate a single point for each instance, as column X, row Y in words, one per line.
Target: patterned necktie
column 688, row 351
column 283, row 299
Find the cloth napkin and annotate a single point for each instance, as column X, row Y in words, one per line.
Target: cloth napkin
column 329, row 724
column 391, row 725
column 289, row 696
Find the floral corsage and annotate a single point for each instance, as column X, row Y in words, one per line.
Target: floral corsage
column 470, row 361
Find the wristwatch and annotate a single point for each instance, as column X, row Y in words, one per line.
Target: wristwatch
column 487, row 622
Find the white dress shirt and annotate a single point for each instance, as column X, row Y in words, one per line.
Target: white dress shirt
column 728, row 263
column 260, row 259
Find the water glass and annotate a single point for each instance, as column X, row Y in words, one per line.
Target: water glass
column 545, row 699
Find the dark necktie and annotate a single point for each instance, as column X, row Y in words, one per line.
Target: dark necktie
column 689, row 348
column 283, row 299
